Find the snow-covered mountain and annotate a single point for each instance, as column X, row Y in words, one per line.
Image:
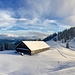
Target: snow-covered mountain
column 58, row 60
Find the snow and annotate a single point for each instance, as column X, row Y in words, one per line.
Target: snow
column 71, row 44
column 58, row 60
column 36, row 45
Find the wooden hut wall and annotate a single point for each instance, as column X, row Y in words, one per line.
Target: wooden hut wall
column 22, row 45
column 40, row 50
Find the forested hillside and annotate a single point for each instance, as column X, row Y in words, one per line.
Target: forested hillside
column 63, row 35
column 50, row 37
column 67, row 34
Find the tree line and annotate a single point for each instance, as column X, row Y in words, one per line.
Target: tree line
column 66, row 34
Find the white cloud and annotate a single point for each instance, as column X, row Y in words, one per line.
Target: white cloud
column 33, row 21
column 5, row 19
column 47, row 21
column 21, row 19
column 70, row 20
column 55, row 9
column 41, row 15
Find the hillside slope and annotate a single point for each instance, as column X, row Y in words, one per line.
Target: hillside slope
column 56, row 61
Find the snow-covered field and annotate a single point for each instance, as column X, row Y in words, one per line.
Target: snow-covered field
column 56, row 61
column 71, row 44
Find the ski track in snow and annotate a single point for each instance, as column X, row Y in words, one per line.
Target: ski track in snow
column 56, row 61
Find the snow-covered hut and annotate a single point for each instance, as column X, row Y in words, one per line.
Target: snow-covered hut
column 32, row 47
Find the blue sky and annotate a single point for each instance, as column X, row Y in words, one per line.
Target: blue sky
column 44, row 16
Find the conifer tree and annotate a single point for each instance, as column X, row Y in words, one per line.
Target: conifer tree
column 67, row 45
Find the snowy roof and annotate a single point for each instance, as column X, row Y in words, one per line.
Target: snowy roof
column 35, row 45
